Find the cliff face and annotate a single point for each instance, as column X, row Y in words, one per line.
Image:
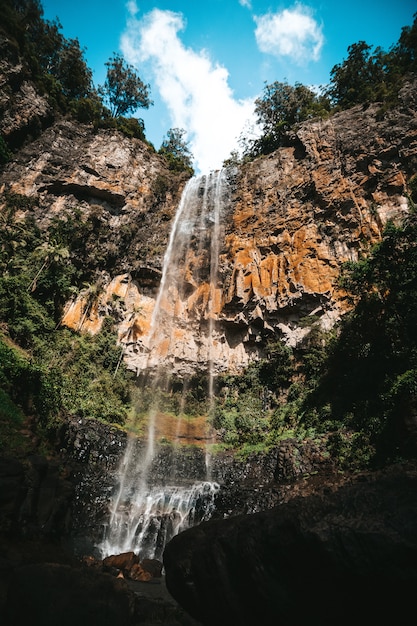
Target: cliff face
column 301, row 212
column 24, row 113
column 287, row 223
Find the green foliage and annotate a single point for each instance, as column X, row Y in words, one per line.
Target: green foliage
column 59, row 371
column 56, row 64
column 242, row 414
column 130, row 127
column 276, row 371
column 123, row 89
column 160, row 187
column 27, row 384
column 27, row 318
column 359, row 78
column 89, row 109
column 12, row 440
column 352, row 449
column 175, row 149
column 370, row 374
column 265, row 404
column 372, row 75
column 93, row 384
column 187, row 398
column 278, row 111
column 403, row 56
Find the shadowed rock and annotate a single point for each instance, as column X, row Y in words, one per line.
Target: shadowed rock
column 347, row 557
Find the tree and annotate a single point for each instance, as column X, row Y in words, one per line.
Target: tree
column 360, row 78
column 72, row 72
column 123, row 90
column 281, row 107
column 370, row 378
column 402, row 57
column 49, row 253
column 176, row 150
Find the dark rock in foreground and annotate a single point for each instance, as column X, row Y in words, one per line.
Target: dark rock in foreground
column 47, row 594
column 342, row 557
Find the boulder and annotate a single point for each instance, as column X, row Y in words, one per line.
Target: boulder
column 129, row 566
column 137, row 572
column 121, row 562
column 344, row 556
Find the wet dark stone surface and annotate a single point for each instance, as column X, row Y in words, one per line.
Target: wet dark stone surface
column 343, row 556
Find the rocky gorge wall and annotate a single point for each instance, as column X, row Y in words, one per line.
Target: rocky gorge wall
column 92, row 453
column 290, row 220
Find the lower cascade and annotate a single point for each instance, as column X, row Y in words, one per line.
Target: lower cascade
column 156, row 497
column 147, row 519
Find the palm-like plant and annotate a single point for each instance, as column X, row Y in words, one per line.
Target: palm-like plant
column 49, row 252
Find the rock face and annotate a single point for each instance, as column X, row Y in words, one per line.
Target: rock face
column 346, row 557
column 288, row 222
column 43, row 500
column 302, row 211
column 116, row 189
column 24, row 113
column 36, row 498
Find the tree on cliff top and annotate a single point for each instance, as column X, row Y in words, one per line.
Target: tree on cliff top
column 123, row 89
column 175, row 149
column 278, row 110
column 372, row 75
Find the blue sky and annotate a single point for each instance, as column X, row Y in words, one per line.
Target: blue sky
column 207, row 61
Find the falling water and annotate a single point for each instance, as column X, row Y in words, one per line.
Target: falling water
column 149, row 507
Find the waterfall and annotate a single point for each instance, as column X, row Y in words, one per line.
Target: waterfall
column 161, row 490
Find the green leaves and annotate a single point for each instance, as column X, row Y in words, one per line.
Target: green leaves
column 278, row 111
column 372, row 75
column 175, row 149
column 46, row 370
column 123, row 89
column 372, row 365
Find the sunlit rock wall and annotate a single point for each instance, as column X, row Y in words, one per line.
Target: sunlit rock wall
column 292, row 218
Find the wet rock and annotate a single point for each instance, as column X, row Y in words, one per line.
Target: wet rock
column 35, row 497
column 121, row 562
column 137, row 572
column 153, row 566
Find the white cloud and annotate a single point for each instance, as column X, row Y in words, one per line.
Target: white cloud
column 132, row 7
column 194, row 89
column 246, row 3
column 292, row 33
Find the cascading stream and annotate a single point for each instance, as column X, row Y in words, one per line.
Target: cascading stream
column 149, row 507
